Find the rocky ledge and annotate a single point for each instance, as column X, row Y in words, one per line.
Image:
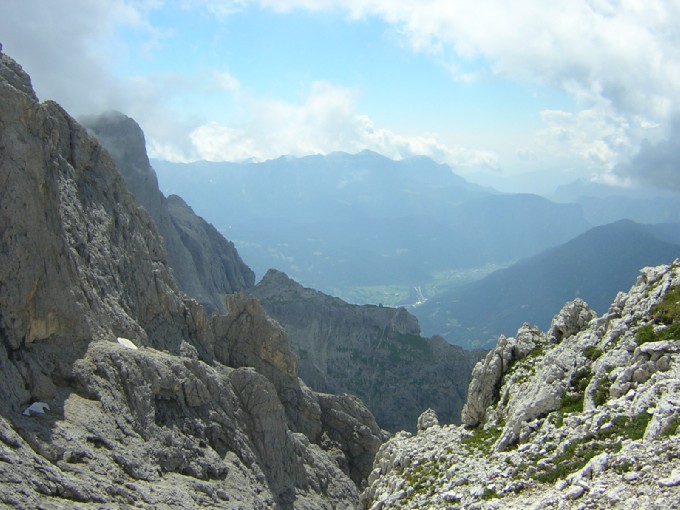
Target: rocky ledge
column 585, row 415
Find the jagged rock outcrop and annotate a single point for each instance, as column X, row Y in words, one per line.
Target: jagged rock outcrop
column 586, row 415
column 205, row 265
column 488, row 375
column 427, row 419
column 373, row 352
column 143, row 398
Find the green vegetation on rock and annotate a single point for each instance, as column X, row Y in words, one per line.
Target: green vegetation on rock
column 592, row 353
column 578, row 453
column 481, row 439
column 666, row 313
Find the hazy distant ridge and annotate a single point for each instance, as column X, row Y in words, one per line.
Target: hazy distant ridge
column 594, row 266
column 332, row 222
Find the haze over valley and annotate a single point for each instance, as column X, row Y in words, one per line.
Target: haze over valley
column 339, row 254
column 385, row 153
column 371, row 230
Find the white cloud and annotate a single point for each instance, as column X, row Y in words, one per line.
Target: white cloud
column 225, row 81
column 70, row 47
column 656, row 163
column 69, row 56
column 597, row 139
column 325, row 122
column 624, row 51
column 619, row 58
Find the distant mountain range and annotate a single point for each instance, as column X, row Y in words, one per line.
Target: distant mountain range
column 342, row 221
column 602, row 204
column 594, row 266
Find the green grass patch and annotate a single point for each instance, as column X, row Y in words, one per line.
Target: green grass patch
column 574, row 457
column 673, row 427
column 592, row 353
column 580, row 379
column 645, row 334
column 571, row 404
column 577, row 454
column 666, row 312
column 635, row 428
column 423, row 478
column 489, row 494
column 528, row 362
column 602, row 392
column 481, row 440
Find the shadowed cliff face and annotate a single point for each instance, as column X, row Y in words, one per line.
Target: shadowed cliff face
column 207, row 412
column 373, row 352
column 205, row 265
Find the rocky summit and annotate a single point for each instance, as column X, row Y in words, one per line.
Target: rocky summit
column 585, row 415
column 374, row 352
column 116, row 390
column 205, row 265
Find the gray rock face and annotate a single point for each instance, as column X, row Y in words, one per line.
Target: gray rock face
column 583, row 416
column 188, row 410
column 427, row 419
column 205, row 265
column 373, row 352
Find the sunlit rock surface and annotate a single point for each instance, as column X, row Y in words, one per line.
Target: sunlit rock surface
column 584, row 416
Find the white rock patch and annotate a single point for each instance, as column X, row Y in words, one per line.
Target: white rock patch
column 127, row 343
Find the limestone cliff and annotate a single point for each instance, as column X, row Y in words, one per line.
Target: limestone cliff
column 115, row 389
column 205, row 265
column 373, row 352
column 585, row 415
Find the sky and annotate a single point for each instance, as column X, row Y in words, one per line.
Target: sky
column 548, row 91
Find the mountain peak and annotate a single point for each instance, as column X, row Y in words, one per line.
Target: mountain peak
column 207, row 411
column 122, row 137
column 12, row 74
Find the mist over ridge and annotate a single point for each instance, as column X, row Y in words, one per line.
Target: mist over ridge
column 344, row 220
column 373, row 230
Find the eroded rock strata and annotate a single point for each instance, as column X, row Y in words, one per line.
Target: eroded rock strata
column 115, row 389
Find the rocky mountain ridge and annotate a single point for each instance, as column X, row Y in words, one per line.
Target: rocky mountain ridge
column 116, row 389
column 585, row 415
column 374, row 352
column 205, row 265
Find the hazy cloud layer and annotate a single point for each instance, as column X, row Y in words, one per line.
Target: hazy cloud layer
column 657, row 163
column 597, row 139
column 70, row 59
column 70, row 48
column 619, row 58
column 327, row 121
column 621, row 51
